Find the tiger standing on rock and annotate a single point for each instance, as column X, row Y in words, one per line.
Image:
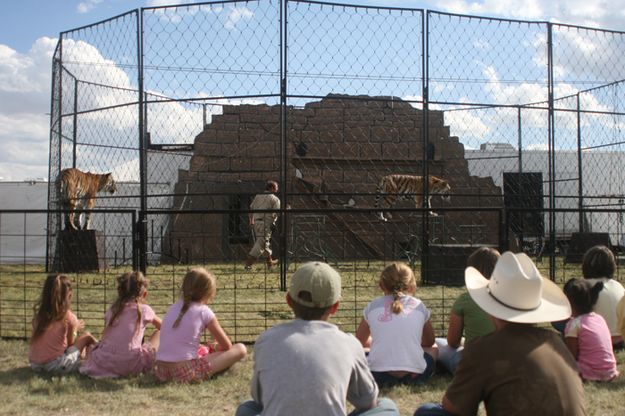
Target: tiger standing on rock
column 408, row 187
column 77, row 191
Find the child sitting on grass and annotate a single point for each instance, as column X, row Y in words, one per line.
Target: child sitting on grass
column 586, row 334
column 308, row 366
column 121, row 351
column 599, row 265
column 466, row 317
column 55, row 346
column 183, row 326
column 397, row 329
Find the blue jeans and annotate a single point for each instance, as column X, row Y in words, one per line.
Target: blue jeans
column 383, row 378
column 432, row 409
column 559, row 326
column 448, row 357
column 385, row 407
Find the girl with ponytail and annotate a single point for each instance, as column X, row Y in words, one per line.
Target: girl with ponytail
column 122, row 352
column 183, row 326
column 55, row 345
column 587, row 334
column 396, row 328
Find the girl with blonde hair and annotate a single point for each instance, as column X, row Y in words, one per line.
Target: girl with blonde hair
column 121, row 351
column 183, row 326
column 397, row 330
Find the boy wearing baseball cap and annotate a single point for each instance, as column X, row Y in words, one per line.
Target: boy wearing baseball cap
column 519, row 369
column 308, row 366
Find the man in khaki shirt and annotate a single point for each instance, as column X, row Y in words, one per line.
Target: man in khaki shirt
column 262, row 223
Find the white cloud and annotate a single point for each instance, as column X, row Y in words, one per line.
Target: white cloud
column 87, row 6
column 236, row 15
column 28, row 72
column 532, row 9
column 594, row 13
column 24, row 102
column 158, row 3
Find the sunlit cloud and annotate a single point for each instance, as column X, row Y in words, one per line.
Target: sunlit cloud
column 87, row 6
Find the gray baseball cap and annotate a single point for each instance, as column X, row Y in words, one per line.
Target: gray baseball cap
column 320, row 280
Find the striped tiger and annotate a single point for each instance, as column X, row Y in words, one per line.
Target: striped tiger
column 408, row 187
column 77, row 190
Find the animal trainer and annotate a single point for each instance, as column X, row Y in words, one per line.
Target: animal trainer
column 263, row 224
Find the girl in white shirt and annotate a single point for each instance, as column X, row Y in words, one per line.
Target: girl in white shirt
column 396, row 328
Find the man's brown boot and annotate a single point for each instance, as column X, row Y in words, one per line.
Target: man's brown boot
column 271, row 262
column 248, row 263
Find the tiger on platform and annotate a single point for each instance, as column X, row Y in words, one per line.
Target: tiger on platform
column 77, row 191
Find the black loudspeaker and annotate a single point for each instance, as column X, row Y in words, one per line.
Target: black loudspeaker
column 524, row 190
column 447, row 263
column 581, row 242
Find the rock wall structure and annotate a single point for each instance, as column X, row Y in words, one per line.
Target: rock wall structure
column 338, row 149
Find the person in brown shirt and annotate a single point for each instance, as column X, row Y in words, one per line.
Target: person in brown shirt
column 519, row 369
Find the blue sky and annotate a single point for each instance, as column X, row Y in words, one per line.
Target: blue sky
column 29, row 30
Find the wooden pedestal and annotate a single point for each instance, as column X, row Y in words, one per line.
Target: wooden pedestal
column 79, row 251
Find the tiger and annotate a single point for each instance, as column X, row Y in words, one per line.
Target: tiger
column 77, row 190
column 407, row 187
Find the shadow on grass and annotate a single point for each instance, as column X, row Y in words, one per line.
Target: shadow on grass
column 45, row 383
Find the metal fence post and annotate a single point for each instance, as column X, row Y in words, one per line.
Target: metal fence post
column 580, row 185
column 141, row 245
column 283, row 142
column 425, row 223
column 551, row 154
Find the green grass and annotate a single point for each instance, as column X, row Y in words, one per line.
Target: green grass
column 27, row 393
column 246, row 304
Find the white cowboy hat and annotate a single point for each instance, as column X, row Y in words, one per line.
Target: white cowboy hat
column 516, row 292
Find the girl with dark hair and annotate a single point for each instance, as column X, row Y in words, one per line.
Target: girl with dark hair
column 599, row 265
column 122, row 352
column 466, row 318
column 586, row 334
column 55, row 345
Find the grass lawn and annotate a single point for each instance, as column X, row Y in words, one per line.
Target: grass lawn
column 27, row 393
column 246, row 304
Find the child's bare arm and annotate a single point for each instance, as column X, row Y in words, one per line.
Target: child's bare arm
column 571, row 343
column 72, row 331
column 427, row 339
column 71, row 335
column 363, row 333
column 157, row 322
column 219, row 335
column 454, row 331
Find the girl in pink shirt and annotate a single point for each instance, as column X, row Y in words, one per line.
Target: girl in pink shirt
column 183, row 326
column 54, row 345
column 122, row 352
column 586, row 334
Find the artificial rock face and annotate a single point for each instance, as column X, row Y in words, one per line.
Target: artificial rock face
column 337, row 149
